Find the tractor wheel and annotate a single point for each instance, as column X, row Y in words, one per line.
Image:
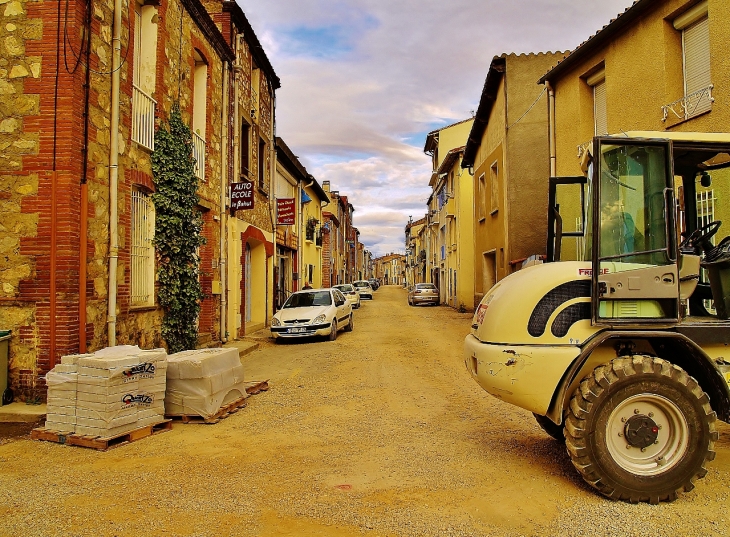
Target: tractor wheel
column 547, row 425
column 333, row 331
column 640, row 429
column 351, row 324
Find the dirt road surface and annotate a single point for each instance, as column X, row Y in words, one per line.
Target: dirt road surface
column 380, row 433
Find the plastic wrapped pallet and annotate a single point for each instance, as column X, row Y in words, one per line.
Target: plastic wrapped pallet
column 111, row 392
column 200, row 382
column 62, row 382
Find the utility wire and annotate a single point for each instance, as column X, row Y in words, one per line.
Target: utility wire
column 528, row 110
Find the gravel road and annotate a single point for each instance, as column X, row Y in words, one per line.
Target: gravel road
column 380, row 433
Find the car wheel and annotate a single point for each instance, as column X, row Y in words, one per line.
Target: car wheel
column 547, row 425
column 351, row 324
column 640, row 429
column 333, row 331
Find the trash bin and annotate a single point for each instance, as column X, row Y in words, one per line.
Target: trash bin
column 4, row 353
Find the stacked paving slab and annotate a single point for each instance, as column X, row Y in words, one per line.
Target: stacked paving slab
column 200, row 382
column 111, row 392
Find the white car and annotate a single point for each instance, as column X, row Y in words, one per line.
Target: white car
column 313, row 312
column 363, row 287
column 351, row 293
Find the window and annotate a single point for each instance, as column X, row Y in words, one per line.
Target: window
column 200, row 82
column 494, row 188
column 143, row 76
column 262, row 165
column 255, row 86
column 245, row 143
column 597, row 81
column 482, row 191
column 142, row 270
column 696, row 59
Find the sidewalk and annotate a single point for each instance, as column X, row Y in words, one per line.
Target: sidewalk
column 22, row 413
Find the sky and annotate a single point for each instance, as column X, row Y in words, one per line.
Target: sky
column 364, row 81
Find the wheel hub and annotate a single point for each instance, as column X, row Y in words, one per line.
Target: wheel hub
column 641, row 431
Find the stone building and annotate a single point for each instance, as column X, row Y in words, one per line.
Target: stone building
column 82, row 92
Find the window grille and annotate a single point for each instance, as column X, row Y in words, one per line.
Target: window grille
column 199, row 156
column 705, row 215
column 142, row 250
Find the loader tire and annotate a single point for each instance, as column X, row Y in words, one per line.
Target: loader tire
column 640, row 429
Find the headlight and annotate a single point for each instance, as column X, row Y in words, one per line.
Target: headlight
column 319, row 319
column 275, row 322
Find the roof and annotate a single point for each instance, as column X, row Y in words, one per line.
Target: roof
column 257, row 51
column 290, row 160
column 432, row 139
column 449, row 160
column 285, row 154
column 206, row 24
column 486, row 103
column 600, row 38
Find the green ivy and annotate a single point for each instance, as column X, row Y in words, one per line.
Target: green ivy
column 177, row 233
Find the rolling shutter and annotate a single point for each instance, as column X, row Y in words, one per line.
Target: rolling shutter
column 599, row 108
column 696, row 44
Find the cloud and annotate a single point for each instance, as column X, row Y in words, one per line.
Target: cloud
column 364, row 81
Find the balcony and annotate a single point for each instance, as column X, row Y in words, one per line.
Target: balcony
column 143, row 118
column 690, row 105
column 199, row 156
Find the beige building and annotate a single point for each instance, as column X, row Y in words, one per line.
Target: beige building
column 507, row 149
column 453, row 194
column 660, row 66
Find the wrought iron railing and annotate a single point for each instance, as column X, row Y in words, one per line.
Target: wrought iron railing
column 199, row 156
column 690, row 105
column 143, row 118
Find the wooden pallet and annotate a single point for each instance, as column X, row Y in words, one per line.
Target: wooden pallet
column 223, row 412
column 98, row 442
column 257, row 386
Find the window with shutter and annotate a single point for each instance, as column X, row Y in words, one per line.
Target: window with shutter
column 696, row 47
column 142, row 258
column 599, row 108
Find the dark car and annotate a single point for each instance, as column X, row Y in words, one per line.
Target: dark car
column 374, row 283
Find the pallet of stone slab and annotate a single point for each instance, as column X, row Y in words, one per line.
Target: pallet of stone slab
column 98, row 442
column 225, row 411
column 257, row 386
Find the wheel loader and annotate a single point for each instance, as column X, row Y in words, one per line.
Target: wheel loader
column 618, row 342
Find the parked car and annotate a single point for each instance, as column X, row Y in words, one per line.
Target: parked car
column 351, row 293
column 363, row 287
column 423, row 293
column 314, row 312
column 374, row 283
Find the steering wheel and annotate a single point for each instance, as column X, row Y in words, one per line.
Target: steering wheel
column 699, row 238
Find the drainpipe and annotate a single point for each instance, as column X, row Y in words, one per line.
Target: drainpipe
column 114, row 176
column 551, row 127
column 224, row 189
column 272, row 197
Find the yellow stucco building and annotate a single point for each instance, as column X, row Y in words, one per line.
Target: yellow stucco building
column 452, row 200
column 660, row 66
column 507, row 149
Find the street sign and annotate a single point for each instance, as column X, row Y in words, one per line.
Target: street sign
column 242, row 195
column 285, row 214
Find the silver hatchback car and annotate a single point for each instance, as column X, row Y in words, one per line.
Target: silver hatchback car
column 423, row 293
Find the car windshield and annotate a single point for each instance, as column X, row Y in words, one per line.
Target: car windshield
column 304, row 300
column 361, row 284
column 344, row 288
column 425, row 286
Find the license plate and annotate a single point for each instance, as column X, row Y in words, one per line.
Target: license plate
column 297, row 330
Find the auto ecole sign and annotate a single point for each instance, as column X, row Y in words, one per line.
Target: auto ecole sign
column 285, row 211
column 242, row 195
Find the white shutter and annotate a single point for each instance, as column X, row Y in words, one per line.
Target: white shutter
column 696, row 44
column 599, row 108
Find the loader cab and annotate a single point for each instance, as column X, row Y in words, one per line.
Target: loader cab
column 647, row 215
